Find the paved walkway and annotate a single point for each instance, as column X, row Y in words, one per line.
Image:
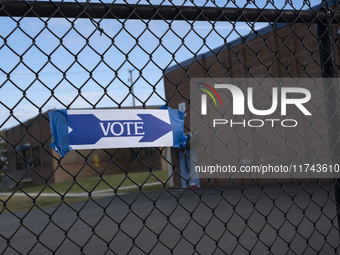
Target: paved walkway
column 270, row 219
column 97, row 193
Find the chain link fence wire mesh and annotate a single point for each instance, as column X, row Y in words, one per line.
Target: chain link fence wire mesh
column 123, row 54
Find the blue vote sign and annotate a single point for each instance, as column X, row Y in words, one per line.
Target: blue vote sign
column 116, row 128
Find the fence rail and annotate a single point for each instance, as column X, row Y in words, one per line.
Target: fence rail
column 163, row 12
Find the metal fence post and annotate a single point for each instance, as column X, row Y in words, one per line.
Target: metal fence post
column 330, row 86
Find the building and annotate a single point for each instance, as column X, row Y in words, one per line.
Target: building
column 32, row 160
column 276, row 51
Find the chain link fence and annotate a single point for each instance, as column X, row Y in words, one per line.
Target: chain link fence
column 143, row 54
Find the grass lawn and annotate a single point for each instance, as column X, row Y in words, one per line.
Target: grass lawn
column 81, row 185
column 88, row 184
column 17, row 203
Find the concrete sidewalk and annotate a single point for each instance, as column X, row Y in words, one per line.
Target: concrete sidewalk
column 97, row 193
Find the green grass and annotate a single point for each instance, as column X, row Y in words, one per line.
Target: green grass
column 88, row 184
column 16, row 203
column 80, row 185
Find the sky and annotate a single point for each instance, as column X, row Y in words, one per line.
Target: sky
column 68, row 63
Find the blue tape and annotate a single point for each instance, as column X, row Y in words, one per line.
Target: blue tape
column 59, row 127
column 177, row 125
column 164, row 107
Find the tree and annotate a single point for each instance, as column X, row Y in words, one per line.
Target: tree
column 3, row 152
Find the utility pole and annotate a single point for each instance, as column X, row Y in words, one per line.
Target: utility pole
column 132, row 91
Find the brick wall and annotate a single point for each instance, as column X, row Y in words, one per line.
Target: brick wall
column 84, row 164
column 35, row 133
column 288, row 51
